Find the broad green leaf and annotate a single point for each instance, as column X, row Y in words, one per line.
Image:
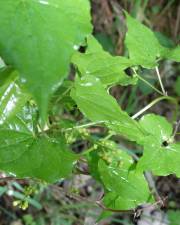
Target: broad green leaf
column 12, row 98
column 109, row 152
column 109, row 69
column 161, row 155
column 125, row 188
column 97, row 105
column 157, row 126
column 143, row 46
column 38, row 39
column 26, row 154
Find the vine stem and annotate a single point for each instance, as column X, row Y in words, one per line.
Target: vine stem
column 146, row 82
column 160, row 81
column 176, row 129
column 153, row 103
column 85, row 125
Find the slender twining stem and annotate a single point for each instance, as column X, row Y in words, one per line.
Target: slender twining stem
column 160, row 81
column 85, row 125
column 153, row 103
column 176, row 129
column 148, row 83
column 152, row 185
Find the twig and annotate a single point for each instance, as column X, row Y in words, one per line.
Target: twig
column 177, row 23
column 152, row 186
column 85, row 125
column 176, row 129
column 160, row 81
column 97, row 203
column 153, row 103
column 146, row 82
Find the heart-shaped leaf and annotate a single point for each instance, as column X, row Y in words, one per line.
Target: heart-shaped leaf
column 125, row 188
column 161, row 155
column 26, row 154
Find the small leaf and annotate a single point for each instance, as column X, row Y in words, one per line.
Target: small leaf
column 45, row 35
column 160, row 156
column 109, row 69
column 142, row 44
column 157, row 126
column 97, row 105
column 26, row 154
column 125, row 188
column 144, row 47
column 172, row 54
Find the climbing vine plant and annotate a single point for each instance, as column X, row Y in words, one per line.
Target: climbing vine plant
column 39, row 40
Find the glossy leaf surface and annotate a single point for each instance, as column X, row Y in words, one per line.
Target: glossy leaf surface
column 109, row 69
column 26, row 154
column 161, row 155
column 97, row 105
column 121, row 181
column 39, row 37
column 12, row 98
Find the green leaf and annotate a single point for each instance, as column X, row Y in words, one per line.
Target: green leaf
column 2, row 63
column 97, row 105
column 109, row 69
column 157, row 126
column 173, row 217
column 125, row 187
column 161, row 155
column 106, row 41
column 173, row 54
column 26, row 154
column 177, row 86
column 164, row 40
column 142, row 44
column 6, row 74
column 38, row 38
column 12, row 98
column 144, row 47
column 93, row 159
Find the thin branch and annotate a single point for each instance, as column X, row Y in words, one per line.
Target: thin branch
column 85, row 125
column 152, row 104
column 152, row 186
column 146, row 82
column 176, row 129
column 84, row 199
column 160, row 81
